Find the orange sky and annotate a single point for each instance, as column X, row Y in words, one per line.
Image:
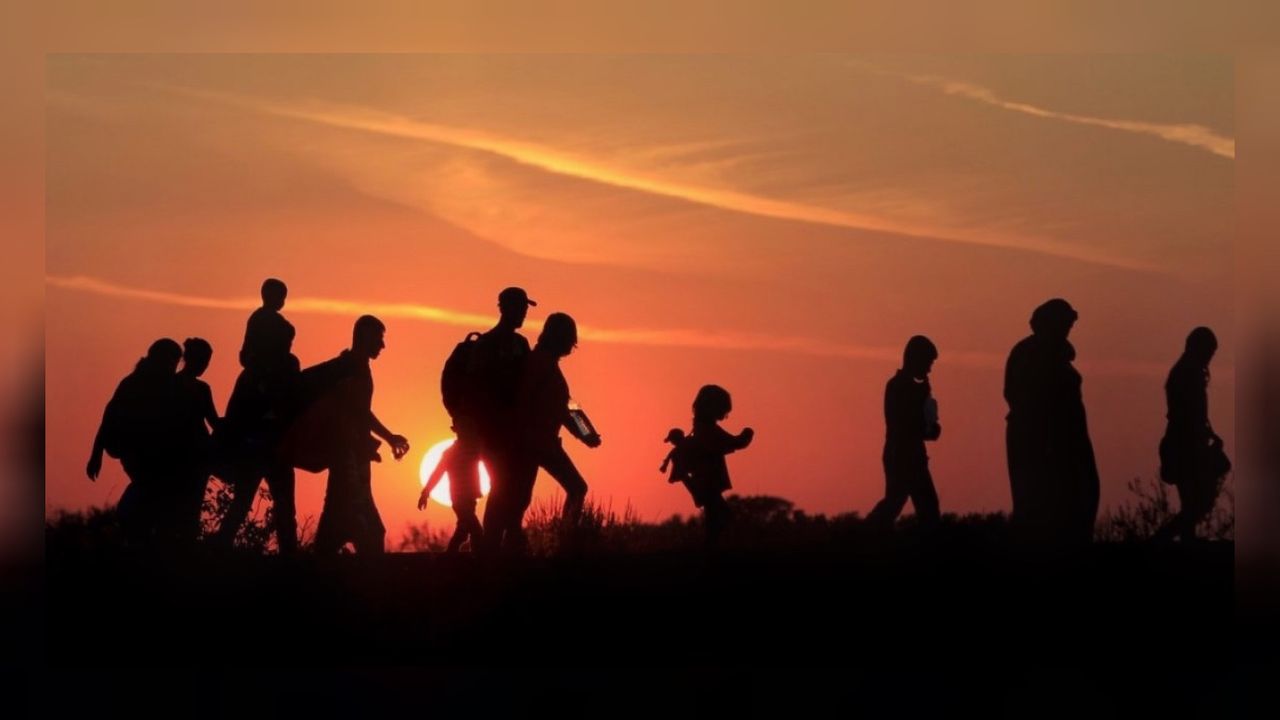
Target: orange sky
column 778, row 225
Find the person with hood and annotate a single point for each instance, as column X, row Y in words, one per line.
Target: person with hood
column 1053, row 474
column 139, row 428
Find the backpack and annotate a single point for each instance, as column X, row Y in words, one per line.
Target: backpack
column 456, row 378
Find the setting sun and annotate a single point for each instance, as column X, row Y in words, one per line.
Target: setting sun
column 441, row 492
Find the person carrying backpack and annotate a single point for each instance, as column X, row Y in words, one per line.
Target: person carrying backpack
column 462, row 460
column 495, row 365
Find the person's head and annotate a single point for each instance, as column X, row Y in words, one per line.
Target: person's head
column 712, row 403
column 196, row 353
column 559, row 334
column 674, row 436
column 162, row 357
column 918, row 357
column 1201, row 345
column 273, row 294
column 1054, row 319
column 513, row 306
column 368, row 337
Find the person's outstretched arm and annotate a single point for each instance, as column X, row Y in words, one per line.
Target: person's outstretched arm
column 722, row 441
column 399, row 444
column 436, row 475
column 666, row 461
column 94, row 468
column 210, row 411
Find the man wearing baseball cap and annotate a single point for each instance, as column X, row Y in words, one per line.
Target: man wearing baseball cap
column 496, row 368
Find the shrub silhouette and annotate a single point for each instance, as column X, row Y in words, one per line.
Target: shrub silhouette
column 1153, row 504
column 760, row 522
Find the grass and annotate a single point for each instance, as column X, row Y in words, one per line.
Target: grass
column 760, row 523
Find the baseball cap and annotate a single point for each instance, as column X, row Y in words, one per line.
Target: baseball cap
column 514, row 296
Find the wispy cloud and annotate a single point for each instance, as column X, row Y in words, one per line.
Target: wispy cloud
column 681, row 338
column 652, row 337
column 326, row 306
column 567, row 164
column 1192, row 134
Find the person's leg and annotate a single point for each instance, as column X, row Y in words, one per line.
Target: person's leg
column 1086, row 494
column 520, row 471
column 459, row 536
column 924, row 497
column 165, row 505
column 497, row 514
column 194, row 503
column 244, row 487
column 154, row 505
column 464, row 490
column 1197, row 504
column 281, row 482
column 887, row 510
column 333, row 530
column 180, row 507
column 474, row 530
column 1183, row 523
column 1176, row 525
column 497, row 508
column 371, row 537
column 468, row 525
column 130, row 512
column 560, row 467
column 716, row 516
column 1016, row 462
column 328, row 534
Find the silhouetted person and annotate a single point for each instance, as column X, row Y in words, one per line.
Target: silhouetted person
column 349, row 513
column 458, row 390
column 1052, row 470
column 258, row 412
column 138, row 428
column 1191, row 453
column 268, row 336
column 197, row 414
column 910, row 417
column 543, row 408
column 497, row 363
column 464, row 492
column 701, row 456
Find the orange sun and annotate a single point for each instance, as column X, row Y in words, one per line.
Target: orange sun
column 441, row 491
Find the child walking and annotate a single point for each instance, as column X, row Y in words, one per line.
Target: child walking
column 698, row 460
column 464, row 493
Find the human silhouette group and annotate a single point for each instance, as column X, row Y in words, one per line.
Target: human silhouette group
column 508, row 401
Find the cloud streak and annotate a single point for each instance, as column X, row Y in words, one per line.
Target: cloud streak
column 679, row 338
column 1192, row 134
column 650, row 337
column 561, row 163
column 324, row 306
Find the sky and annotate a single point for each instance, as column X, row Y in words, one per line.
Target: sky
column 778, row 225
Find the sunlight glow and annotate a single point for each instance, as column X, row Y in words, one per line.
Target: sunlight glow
column 441, row 492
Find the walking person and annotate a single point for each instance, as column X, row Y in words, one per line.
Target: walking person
column 1192, row 457
column 911, row 420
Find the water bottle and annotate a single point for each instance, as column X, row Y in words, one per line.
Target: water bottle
column 581, row 423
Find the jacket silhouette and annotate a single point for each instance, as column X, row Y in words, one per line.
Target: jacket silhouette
column 1052, row 471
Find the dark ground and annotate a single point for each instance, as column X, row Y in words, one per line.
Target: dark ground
column 1126, row 630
